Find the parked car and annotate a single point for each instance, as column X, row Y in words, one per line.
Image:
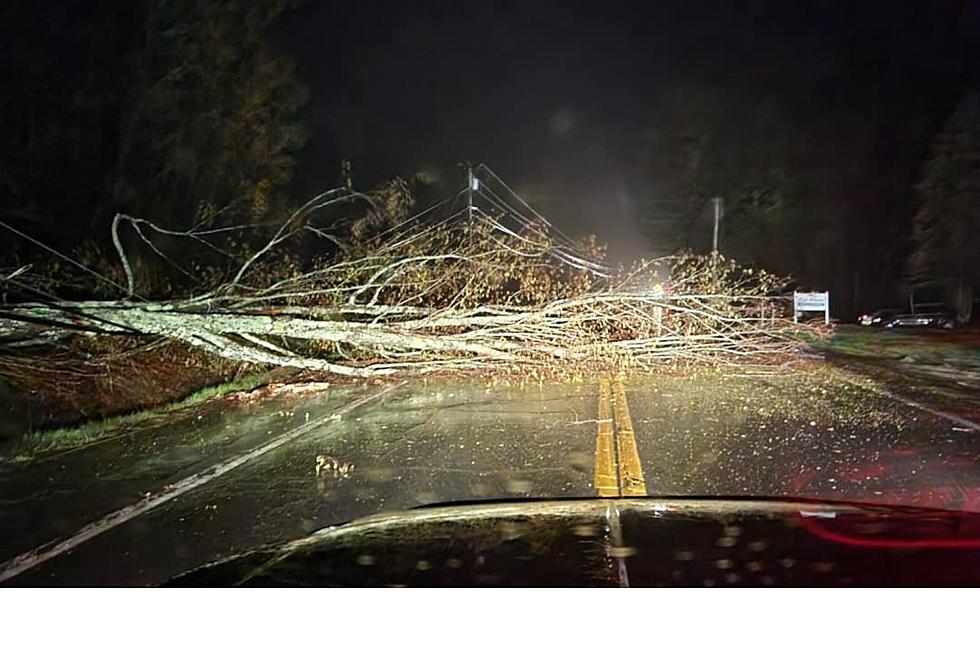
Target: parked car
column 878, row 318
column 933, row 319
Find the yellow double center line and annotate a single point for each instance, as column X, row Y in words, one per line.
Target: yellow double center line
column 617, row 462
column 606, row 474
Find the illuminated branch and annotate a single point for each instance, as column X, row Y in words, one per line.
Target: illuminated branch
column 470, row 291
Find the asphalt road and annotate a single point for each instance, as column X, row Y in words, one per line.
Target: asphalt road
column 236, row 474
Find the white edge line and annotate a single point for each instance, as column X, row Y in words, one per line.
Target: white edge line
column 962, row 421
column 34, row 557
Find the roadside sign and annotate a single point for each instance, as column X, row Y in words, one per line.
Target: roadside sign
column 811, row 302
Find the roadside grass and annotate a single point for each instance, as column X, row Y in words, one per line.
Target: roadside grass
column 924, row 348
column 35, row 444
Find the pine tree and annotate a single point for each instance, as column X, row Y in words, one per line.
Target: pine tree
column 169, row 110
column 946, row 229
column 214, row 122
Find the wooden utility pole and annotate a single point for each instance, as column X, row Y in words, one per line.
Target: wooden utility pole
column 719, row 214
column 472, row 184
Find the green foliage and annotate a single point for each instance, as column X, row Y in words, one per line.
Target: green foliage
column 215, row 121
column 945, row 230
column 181, row 112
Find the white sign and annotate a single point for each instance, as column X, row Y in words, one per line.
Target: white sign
column 811, row 301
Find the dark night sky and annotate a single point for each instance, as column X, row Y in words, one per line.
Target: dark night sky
column 560, row 96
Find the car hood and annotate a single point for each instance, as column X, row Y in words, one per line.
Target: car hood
column 621, row 542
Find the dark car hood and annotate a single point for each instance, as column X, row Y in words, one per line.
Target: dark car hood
column 618, row 542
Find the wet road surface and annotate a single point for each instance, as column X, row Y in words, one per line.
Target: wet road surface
column 818, row 431
column 416, row 445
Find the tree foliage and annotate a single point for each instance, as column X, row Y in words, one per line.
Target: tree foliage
column 214, row 123
column 945, row 241
column 184, row 112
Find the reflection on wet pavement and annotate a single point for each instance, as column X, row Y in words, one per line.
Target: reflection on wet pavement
column 439, row 443
column 813, row 431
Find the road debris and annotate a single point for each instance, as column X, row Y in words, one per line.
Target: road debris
column 330, row 465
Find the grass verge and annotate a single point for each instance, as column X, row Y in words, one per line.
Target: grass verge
column 46, row 442
column 956, row 348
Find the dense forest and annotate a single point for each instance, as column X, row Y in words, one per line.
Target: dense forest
column 182, row 113
column 196, row 114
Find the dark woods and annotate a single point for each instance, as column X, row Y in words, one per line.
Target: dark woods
column 187, row 114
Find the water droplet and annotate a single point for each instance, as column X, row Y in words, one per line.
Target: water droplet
column 621, row 551
column 510, row 530
column 519, row 486
column 379, row 474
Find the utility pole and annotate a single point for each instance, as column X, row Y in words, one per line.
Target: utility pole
column 471, row 185
column 719, row 214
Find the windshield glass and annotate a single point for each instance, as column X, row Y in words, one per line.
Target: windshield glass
column 254, row 285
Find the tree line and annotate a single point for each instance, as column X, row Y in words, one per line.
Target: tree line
column 190, row 114
column 183, row 112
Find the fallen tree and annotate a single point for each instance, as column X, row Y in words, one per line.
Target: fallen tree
column 479, row 288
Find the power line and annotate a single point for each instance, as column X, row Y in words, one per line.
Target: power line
column 68, row 259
